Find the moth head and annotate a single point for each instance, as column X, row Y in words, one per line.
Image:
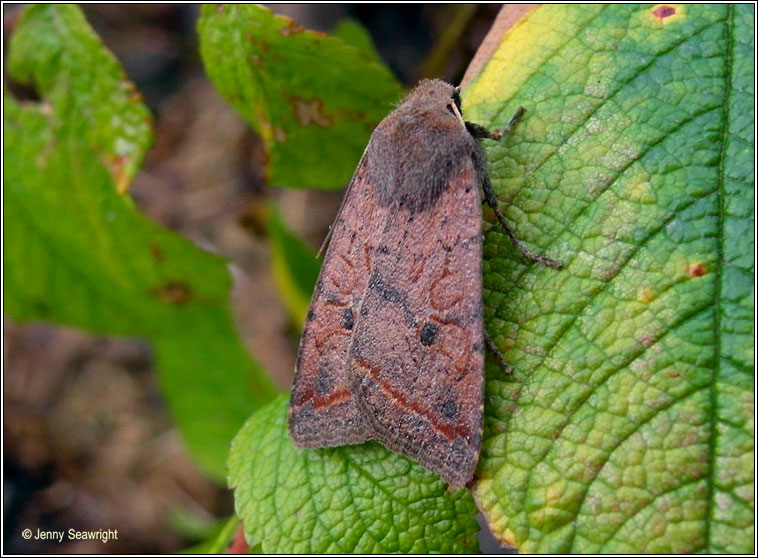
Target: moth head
column 434, row 95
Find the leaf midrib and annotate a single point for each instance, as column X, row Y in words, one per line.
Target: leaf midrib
column 719, row 276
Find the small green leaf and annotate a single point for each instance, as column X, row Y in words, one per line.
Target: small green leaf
column 628, row 425
column 191, row 525
column 314, row 99
column 78, row 253
column 295, row 267
column 217, row 543
column 353, row 499
column 354, row 34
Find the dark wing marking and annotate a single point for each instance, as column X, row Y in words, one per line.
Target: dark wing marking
column 416, row 357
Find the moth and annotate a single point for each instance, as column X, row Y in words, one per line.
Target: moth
column 393, row 345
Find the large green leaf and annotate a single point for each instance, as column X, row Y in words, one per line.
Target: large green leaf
column 628, row 424
column 78, row 253
column 354, row 499
column 314, row 99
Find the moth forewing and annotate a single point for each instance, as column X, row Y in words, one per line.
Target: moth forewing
column 416, row 357
column 323, row 411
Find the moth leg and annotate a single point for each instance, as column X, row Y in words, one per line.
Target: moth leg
column 489, row 194
column 498, row 355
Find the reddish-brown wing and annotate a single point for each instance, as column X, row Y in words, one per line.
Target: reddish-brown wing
column 416, row 359
column 322, row 409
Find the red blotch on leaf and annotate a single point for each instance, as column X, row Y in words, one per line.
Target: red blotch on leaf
column 663, row 12
column 696, row 270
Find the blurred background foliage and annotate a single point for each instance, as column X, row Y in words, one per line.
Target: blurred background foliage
column 88, row 443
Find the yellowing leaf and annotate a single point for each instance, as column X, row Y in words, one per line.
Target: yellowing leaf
column 628, row 426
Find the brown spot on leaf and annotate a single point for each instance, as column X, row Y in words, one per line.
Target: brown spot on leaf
column 610, row 272
column 258, row 42
column 291, row 28
column 662, row 12
column 279, row 134
column 117, row 165
column 157, row 252
column 696, row 270
column 310, row 112
column 645, row 295
column 263, row 159
column 646, row 339
column 174, row 292
column 132, row 92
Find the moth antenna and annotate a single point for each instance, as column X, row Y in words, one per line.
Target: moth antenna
column 514, row 120
column 327, row 238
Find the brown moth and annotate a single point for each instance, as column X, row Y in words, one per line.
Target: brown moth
column 393, row 347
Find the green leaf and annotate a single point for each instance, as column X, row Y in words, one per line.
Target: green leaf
column 628, row 425
column 295, row 267
column 354, row 34
column 190, row 525
column 314, row 99
column 352, row 499
column 78, row 253
column 219, row 542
